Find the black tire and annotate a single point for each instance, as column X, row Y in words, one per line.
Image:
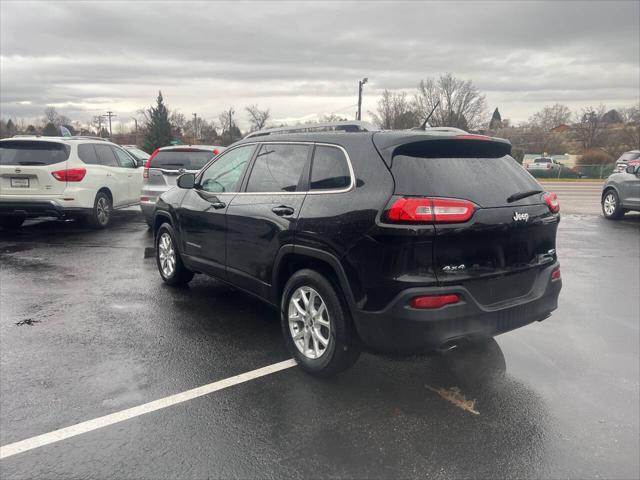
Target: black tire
column 11, row 222
column 179, row 275
column 343, row 347
column 100, row 216
column 611, row 208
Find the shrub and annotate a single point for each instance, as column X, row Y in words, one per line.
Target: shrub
column 595, row 156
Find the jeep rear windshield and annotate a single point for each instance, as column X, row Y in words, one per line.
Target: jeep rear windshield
column 488, row 182
column 177, row 159
column 22, row 152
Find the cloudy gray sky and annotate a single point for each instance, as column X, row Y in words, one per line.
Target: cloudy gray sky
column 303, row 60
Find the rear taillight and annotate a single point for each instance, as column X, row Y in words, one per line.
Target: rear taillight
column 70, row 174
column 434, row 301
column 555, row 275
column 548, row 166
column 147, row 165
column 552, row 202
column 216, row 151
column 440, row 210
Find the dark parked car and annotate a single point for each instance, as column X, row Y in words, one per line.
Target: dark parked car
column 402, row 241
column 621, row 192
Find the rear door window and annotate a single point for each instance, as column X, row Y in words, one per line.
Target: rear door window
column 87, row 154
column 124, row 159
column 177, row 159
column 329, row 170
column 278, row 168
column 106, row 156
column 487, row 182
column 24, row 152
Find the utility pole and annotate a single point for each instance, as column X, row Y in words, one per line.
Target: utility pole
column 109, row 115
column 360, row 84
column 195, row 128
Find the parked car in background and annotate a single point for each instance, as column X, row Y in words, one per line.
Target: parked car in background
column 404, row 241
column 625, row 158
column 163, row 167
column 137, row 153
column 621, row 192
column 543, row 163
column 65, row 177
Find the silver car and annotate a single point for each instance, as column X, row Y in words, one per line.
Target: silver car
column 621, row 192
column 165, row 165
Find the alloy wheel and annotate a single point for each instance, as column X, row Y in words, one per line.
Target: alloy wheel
column 167, row 255
column 309, row 323
column 102, row 210
column 609, row 204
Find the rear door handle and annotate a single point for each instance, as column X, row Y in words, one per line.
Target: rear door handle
column 283, row 210
column 218, row 205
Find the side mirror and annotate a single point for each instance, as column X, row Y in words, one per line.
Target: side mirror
column 187, row 180
column 140, row 162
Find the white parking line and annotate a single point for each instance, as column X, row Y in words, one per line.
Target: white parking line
column 89, row 425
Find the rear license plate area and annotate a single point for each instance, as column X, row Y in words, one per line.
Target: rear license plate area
column 18, row 182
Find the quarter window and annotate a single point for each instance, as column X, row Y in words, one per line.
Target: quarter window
column 278, row 168
column 330, row 170
column 224, row 174
column 105, row 156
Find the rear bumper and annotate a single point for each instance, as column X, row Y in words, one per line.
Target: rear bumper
column 39, row 208
column 401, row 329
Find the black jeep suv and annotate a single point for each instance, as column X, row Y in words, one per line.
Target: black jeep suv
column 397, row 241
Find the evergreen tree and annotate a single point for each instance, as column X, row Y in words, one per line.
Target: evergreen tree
column 158, row 127
column 11, row 128
column 496, row 120
column 50, row 130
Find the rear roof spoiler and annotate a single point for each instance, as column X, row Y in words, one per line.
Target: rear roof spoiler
column 439, row 143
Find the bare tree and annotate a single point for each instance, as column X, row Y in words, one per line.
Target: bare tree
column 394, row 112
column 50, row 115
column 460, row 103
column 551, row 116
column 178, row 122
column 332, row 117
column 589, row 127
column 257, row 118
column 229, row 132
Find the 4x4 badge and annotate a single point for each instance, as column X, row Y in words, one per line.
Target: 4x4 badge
column 518, row 217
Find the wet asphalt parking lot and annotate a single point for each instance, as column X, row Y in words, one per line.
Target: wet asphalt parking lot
column 87, row 329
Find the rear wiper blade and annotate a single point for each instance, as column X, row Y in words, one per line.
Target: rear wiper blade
column 521, row 195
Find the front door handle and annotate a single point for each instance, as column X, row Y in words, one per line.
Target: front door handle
column 283, row 210
column 218, row 205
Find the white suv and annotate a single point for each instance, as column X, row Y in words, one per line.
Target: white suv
column 65, row 177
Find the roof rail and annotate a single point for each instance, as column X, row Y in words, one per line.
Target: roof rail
column 87, row 137
column 346, row 126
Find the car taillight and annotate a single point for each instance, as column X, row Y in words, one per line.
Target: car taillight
column 147, row 165
column 552, row 202
column 70, row 174
column 216, row 151
column 440, row 210
column 555, row 275
column 548, row 166
column 434, row 301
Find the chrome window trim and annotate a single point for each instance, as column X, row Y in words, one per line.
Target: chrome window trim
column 351, row 186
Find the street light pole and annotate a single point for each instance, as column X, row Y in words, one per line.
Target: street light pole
column 195, row 128
column 360, row 84
column 135, row 121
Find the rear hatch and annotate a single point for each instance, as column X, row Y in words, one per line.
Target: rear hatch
column 165, row 166
column 27, row 167
column 497, row 250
